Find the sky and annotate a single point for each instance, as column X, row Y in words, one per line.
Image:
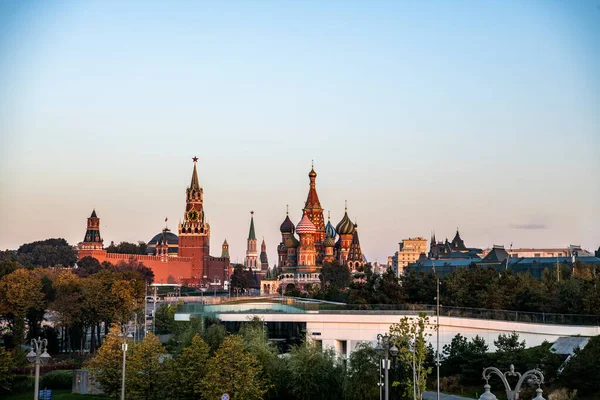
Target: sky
column 423, row 115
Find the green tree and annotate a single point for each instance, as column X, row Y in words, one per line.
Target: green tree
column 582, row 372
column 188, row 370
column 334, row 274
column 411, row 339
column 165, row 318
column 88, row 266
column 508, row 350
column 6, row 367
column 127, row 248
column 314, row 374
column 106, row 366
column 465, row 358
column 214, row 336
column 20, row 291
column 362, row 375
column 241, row 279
column 48, row 253
column 235, row 371
column 255, row 335
column 145, row 370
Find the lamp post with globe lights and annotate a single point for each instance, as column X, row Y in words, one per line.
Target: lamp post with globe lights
column 386, row 345
column 38, row 355
column 534, row 376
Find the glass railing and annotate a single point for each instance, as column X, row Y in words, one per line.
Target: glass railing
column 290, row 305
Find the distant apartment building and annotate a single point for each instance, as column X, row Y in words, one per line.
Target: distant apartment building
column 410, row 250
column 572, row 250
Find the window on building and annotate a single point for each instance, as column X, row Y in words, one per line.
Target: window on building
column 342, row 347
column 536, row 255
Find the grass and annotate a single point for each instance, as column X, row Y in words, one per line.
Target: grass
column 64, row 394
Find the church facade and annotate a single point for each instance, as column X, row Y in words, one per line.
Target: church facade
column 184, row 258
column 305, row 247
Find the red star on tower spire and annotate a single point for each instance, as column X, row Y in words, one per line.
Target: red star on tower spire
column 195, row 159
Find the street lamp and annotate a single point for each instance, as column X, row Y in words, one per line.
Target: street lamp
column 124, row 348
column 38, row 356
column 383, row 345
column 535, row 376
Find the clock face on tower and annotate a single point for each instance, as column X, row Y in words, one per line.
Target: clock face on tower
column 193, row 215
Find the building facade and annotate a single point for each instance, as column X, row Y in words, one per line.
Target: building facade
column 409, row 252
column 184, row 259
column 454, row 249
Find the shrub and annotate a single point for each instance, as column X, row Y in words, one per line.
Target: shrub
column 562, row 394
column 62, row 379
column 451, row 384
column 23, row 383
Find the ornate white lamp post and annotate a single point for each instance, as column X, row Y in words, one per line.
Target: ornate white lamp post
column 535, row 376
column 124, row 348
column 383, row 345
column 38, row 355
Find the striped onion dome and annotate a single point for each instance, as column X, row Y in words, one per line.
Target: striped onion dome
column 305, row 226
column 345, row 227
column 291, row 242
column 287, row 226
column 329, row 242
column 330, row 230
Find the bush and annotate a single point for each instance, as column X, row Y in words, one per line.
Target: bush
column 23, row 383
column 57, row 380
column 450, row 384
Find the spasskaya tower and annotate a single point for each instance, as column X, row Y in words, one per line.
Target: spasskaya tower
column 194, row 231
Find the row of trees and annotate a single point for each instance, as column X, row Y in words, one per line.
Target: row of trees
column 79, row 300
column 247, row 366
column 473, row 286
column 43, row 253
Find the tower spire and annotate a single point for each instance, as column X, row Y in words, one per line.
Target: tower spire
column 251, row 234
column 194, row 184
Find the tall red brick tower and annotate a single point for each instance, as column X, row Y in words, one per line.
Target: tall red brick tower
column 194, row 232
column 92, row 239
column 314, row 212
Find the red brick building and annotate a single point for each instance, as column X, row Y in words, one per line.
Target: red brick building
column 183, row 259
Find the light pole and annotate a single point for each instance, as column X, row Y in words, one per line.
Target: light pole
column 437, row 317
column 124, row 349
column 383, row 345
column 533, row 376
column 38, row 355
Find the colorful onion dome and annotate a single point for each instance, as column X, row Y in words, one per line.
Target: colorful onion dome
column 329, row 242
column 287, row 226
column 305, row 226
column 330, row 230
column 345, row 227
column 291, row 242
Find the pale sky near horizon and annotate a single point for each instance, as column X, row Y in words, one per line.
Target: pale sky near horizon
column 424, row 115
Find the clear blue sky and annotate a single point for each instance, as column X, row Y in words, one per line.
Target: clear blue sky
column 422, row 114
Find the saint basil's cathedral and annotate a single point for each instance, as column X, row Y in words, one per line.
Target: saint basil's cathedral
column 300, row 259
column 183, row 259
